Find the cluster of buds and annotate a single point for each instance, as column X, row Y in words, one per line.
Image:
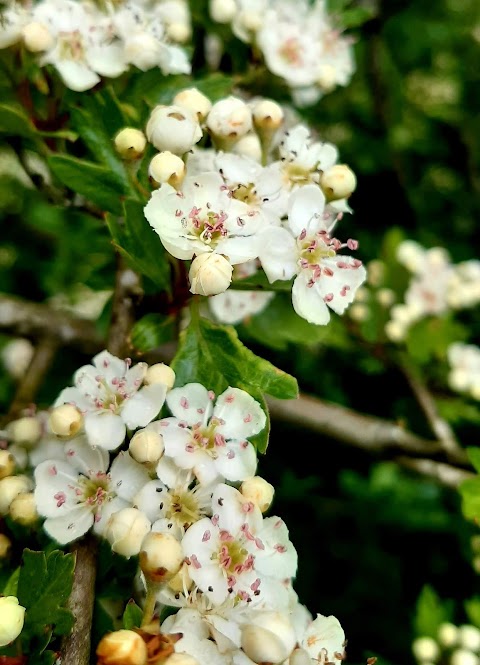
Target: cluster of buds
column 454, row 645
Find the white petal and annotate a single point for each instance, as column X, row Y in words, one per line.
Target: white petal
column 149, row 499
column 84, row 458
column 76, row 75
column 106, row 60
column 55, row 482
column 343, row 284
column 239, row 249
column 228, row 504
column 104, row 513
column 105, row 430
column 109, row 365
column 236, row 461
column 191, row 403
column 305, row 209
column 242, row 414
column 69, row 527
column 308, row 301
column 277, row 253
column 127, row 476
column 143, row 406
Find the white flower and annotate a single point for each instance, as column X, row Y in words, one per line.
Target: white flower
column 306, row 250
column 238, row 554
column 212, row 440
column 79, row 493
column 324, row 641
column 235, row 306
column 110, row 398
column 203, row 218
column 12, row 19
column 464, row 360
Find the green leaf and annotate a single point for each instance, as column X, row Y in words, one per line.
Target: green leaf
column 355, row 17
column 472, row 608
column 430, row 338
column 11, row 586
column 132, row 617
column 140, row 244
column 474, row 457
column 470, row 491
column 456, row 410
column 14, row 121
column 44, row 586
column 156, row 89
column 430, row 613
column 152, row 331
column 95, row 182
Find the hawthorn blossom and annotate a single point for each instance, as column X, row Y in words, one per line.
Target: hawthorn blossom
column 235, row 306
column 212, row 440
column 77, row 493
column 302, row 159
column 240, row 554
column 110, row 397
column 306, row 250
column 322, row 644
column 203, row 217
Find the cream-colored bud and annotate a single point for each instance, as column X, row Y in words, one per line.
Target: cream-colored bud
column 270, row 639
column 181, row 659
column 386, row 297
column 65, row 420
column 410, row 254
column 130, row 143
column 327, row 77
column 26, row 431
column 375, row 272
column 179, row 32
column 11, row 619
column 448, row 635
column 123, row 647
column 210, row 274
column 174, row 129
column 249, row 146
column 126, row 530
column 23, row 509
column 425, row 648
column 469, row 637
column 359, row 311
column 463, row 657
column 250, row 20
column 16, row 356
column 338, row 182
column 395, row 331
column 195, row 101
column 7, row 464
column 11, row 487
column 5, row 546
column 37, row 37
column 267, row 115
column 146, row 446
column 362, row 294
column 167, row 167
column 222, row 11
column 258, row 491
column 161, row 557
column 229, row 119
column 160, row 373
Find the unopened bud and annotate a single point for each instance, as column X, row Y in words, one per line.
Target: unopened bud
column 359, row 311
column 195, row 101
column 5, row 546
column 65, row 420
column 179, row 32
column 410, row 254
column 130, row 143
column 395, row 331
column 173, row 128
column 11, row 487
column 210, row 274
column 327, row 77
column 161, row 557
column 229, row 120
column 181, row 659
column 425, row 648
column 16, row 356
column 23, row 509
column 26, row 431
column 167, row 167
column 338, row 182
column 271, row 639
column 160, row 373
column 7, row 464
column 249, row 146
column 146, row 446
column 37, row 37
column 469, row 637
column 123, row 647
column 222, row 11
column 259, row 491
column 386, row 297
column 126, row 530
column 267, row 115
column 463, row 657
column 11, row 619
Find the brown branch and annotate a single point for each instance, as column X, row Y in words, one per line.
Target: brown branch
column 127, row 291
column 446, row 474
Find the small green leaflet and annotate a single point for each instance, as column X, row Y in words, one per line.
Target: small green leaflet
column 132, row 617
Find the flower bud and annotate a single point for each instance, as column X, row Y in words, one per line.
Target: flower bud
column 410, row 254
column 130, row 143
column 11, row 487
column 167, row 167
column 23, row 509
column 359, row 311
column 425, row 648
column 65, row 420
column 5, row 546
column 258, row 491
column 463, row 657
column 375, row 272
column 193, row 100
column 179, row 32
column 161, row 557
column 327, row 77
column 7, row 464
column 126, row 530
column 146, row 446
column 37, row 37
column 229, row 119
column 249, row 146
column 16, row 356
column 181, row 659
column 174, row 129
column 338, row 182
column 386, row 297
column 160, row 373
column 469, row 637
column 123, row 647
column 267, row 115
column 11, row 619
column 210, row 274
column 395, row 331
column 222, row 11
column 26, row 431
column 271, row 639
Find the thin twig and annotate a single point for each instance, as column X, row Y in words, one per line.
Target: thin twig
column 127, row 291
column 446, row 474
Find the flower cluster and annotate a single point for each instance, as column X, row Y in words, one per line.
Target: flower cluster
column 297, row 40
column 454, row 645
column 260, row 195
column 84, row 43
column 464, row 360
column 180, row 492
